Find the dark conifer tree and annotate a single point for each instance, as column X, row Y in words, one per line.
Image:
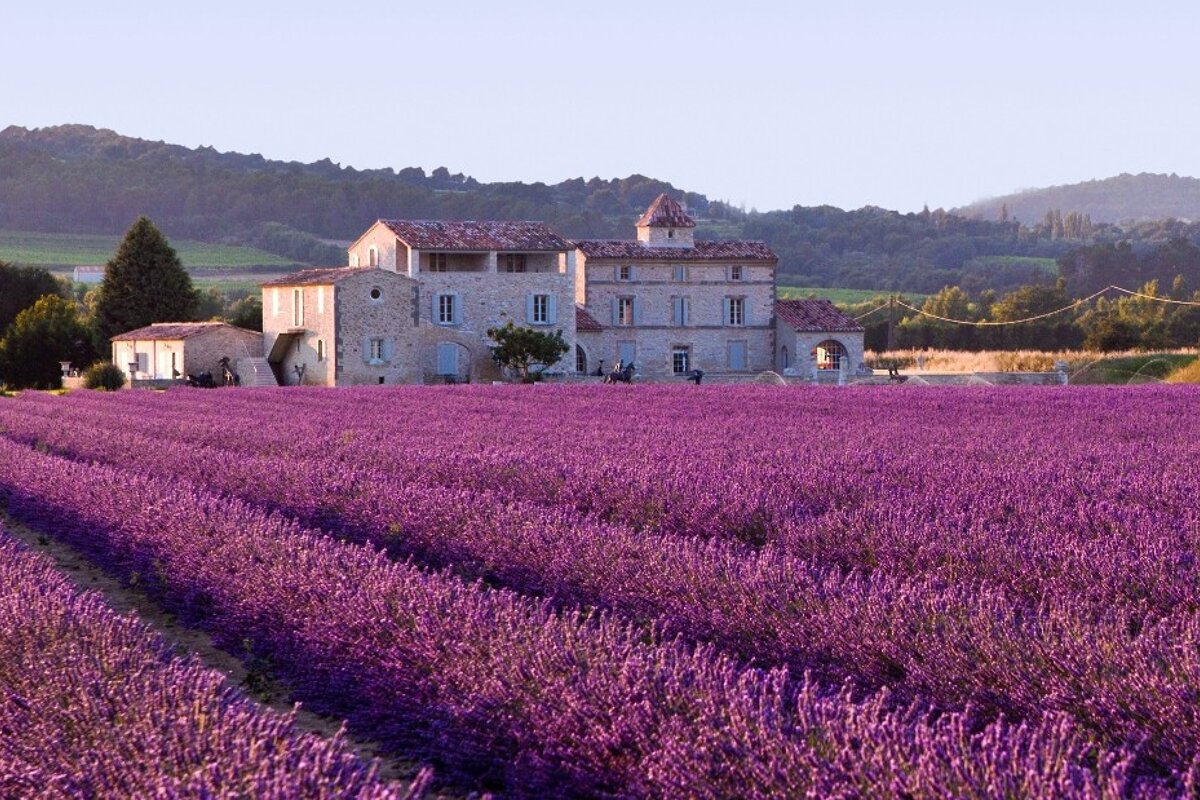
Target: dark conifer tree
column 143, row 283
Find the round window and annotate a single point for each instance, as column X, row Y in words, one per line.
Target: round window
column 376, row 293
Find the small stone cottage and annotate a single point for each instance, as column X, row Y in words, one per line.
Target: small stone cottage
column 816, row 341
column 171, row 350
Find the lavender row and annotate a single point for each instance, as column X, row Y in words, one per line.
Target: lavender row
column 949, row 644
column 533, row 701
column 95, row 705
column 1111, row 528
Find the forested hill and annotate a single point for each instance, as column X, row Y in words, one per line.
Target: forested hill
column 1125, row 197
column 79, row 179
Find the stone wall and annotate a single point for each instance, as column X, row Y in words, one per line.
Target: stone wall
column 655, row 332
column 798, row 360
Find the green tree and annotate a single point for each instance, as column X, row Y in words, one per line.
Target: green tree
column 20, row 287
column 526, row 351
column 246, row 313
column 144, row 282
column 41, row 336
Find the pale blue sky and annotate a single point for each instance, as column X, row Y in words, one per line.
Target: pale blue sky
column 764, row 103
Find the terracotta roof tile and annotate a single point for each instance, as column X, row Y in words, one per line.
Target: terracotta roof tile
column 666, row 213
column 317, row 277
column 815, row 315
column 173, row 330
column 585, row 321
column 623, row 250
column 434, row 235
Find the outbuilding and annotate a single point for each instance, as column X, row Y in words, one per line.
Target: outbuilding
column 816, row 341
column 171, row 350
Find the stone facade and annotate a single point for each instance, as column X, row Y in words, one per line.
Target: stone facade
column 674, row 308
column 342, row 327
column 527, row 277
column 672, row 304
column 169, row 351
column 815, row 341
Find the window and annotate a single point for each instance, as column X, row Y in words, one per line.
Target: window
column 681, row 272
column 670, row 233
column 735, row 273
column 737, row 355
column 784, row 356
column 438, row 262
column 354, row 259
column 376, row 294
column 320, row 299
column 624, row 310
column 735, row 311
column 513, row 262
column 320, row 349
column 375, row 351
column 540, row 309
column 372, row 257
column 580, row 360
column 681, row 360
column 446, row 309
column 829, row 354
column 297, row 308
column 680, row 310
column 275, row 302
column 625, row 272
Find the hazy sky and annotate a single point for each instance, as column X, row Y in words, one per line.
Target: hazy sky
column 769, row 104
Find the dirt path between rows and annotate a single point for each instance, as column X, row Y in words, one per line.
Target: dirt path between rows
column 122, row 599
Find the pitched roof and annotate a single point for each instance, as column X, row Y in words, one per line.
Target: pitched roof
column 317, row 277
column 435, row 235
column 585, row 321
column 173, row 330
column 623, row 250
column 815, row 315
column 665, row 213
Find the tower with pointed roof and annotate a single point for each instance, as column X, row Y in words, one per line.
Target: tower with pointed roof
column 666, row 224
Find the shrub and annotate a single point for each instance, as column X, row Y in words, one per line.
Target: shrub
column 104, row 376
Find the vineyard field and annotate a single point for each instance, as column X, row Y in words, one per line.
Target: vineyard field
column 672, row 591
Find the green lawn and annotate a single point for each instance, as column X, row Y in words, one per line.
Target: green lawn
column 1148, row 368
column 842, row 297
column 65, row 250
column 1048, row 264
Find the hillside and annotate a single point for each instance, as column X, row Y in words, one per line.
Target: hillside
column 1122, row 198
column 76, row 180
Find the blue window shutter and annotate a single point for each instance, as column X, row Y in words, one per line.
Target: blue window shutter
column 632, row 272
column 529, row 308
column 433, row 314
column 617, row 273
column 725, row 311
column 676, row 311
column 387, row 349
column 687, row 310
column 366, row 348
column 746, row 311
column 616, row 303
column 728, row 274
column 552, row 309
column 637, row 311
column 457, row 309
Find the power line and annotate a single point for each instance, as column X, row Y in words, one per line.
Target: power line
column 1072, row 306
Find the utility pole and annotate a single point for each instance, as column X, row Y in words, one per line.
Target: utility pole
column 891, row 333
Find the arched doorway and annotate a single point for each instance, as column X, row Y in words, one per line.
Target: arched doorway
column 829, row 354
column 784, row 359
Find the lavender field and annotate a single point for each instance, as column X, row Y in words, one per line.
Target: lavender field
column 673, row 592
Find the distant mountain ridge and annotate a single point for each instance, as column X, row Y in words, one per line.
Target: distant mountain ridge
column 1125, row 197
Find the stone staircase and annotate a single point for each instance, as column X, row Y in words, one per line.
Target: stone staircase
column 255, row 372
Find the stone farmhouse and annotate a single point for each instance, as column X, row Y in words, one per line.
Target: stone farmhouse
column 416, row 301
column 670, row 304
